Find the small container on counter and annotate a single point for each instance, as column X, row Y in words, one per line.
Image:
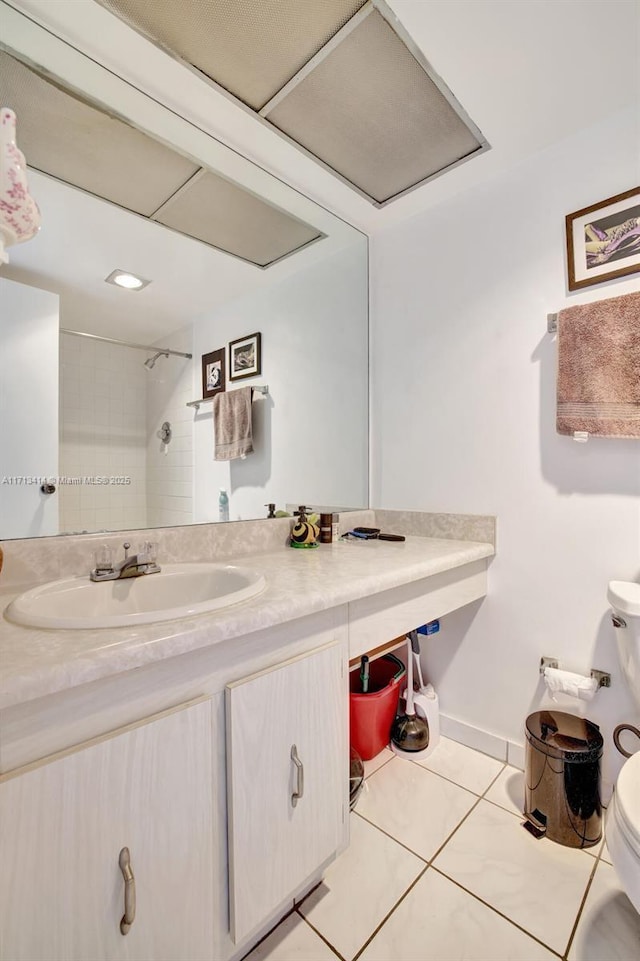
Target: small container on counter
column 326, row 528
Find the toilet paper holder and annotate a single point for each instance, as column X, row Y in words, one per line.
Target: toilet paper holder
column 602, row 677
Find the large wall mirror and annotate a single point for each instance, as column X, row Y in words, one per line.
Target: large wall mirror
column 126, row 183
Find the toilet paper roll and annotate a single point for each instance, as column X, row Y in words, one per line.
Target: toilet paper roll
column 564, row 682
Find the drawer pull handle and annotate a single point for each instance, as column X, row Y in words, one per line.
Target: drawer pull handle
column 129, row 915
column 295, row 797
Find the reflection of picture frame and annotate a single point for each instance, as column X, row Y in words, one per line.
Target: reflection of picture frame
column 213, row 380
column 245, row 357
column 603, row 241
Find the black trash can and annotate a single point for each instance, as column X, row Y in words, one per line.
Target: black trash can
column 562, row 778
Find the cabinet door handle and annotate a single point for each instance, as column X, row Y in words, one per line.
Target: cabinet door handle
column 129, row 915
column 295, row 797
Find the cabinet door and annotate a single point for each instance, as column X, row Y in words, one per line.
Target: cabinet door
column 277, row 841
column 64, row 823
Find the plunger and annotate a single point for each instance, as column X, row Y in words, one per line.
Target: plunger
column 409, row 732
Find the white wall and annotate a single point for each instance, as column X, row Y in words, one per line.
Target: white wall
column 28, row 409
column 463, row 421
column 170, row 467
column 102, row 436
column 310, row 434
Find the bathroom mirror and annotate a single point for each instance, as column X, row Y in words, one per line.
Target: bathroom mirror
column 110, row 424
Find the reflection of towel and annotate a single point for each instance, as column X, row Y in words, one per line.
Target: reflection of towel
column 232, row 424
column 599, row 368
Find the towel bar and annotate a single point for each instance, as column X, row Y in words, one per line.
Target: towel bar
column 263, row 389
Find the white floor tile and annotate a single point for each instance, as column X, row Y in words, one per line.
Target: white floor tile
column 438, row 921
column 601, row 848
column 604, row 854
column 292, row 940
column 463, row 765
column 413, row 805
column 538, row 884
column 596, row 849
column 609, row 927
column 377, row 761
column 508, row 791
column 360, row 888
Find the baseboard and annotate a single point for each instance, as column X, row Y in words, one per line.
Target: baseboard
column 515, row 755
column 474, row 737
column 510, row 752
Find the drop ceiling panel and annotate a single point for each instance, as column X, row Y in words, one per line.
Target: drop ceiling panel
column 221, row 214
column 80, row 144
column 370, row 112
column 250, row 47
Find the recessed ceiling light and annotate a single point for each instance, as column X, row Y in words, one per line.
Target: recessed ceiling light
column 122, row 278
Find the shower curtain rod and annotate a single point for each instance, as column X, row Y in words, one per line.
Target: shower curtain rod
column 125, row 343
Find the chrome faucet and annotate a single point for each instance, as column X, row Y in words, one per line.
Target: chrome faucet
column 144, row 562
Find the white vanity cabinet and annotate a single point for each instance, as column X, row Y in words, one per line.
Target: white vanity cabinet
column 287, row 781
column 64, row 821
column 209, row 744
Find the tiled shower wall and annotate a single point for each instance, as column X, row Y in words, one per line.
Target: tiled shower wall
column 102, row 463
column 170, row 385
column 118, row 473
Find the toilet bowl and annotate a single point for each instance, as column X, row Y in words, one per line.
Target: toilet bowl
column 623, row 829
column 623, row 816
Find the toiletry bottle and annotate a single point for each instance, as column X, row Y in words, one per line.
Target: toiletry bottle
column 272, row 510
column 335, row 526
column 223, row 505
column 326, row 528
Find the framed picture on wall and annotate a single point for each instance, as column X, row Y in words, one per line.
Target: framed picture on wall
column 603, row 241
column 245, row 357
column 213, row 372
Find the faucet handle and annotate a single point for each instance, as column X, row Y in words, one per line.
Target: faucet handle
column 126, row 546
column 150, row 551
column 103, row 558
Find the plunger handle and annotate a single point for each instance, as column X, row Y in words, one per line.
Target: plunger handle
column 409, row 707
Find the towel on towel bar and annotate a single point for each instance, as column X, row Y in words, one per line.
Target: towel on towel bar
column 232, row 424
column 599, row 368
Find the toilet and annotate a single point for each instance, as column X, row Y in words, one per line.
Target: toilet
column 623, row 816
column 623, row 829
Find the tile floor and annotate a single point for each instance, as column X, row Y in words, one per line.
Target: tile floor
column 440, row 869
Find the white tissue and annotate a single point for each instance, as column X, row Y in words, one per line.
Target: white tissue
column 564, row 682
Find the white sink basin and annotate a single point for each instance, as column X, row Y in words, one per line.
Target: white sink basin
column 179, row 590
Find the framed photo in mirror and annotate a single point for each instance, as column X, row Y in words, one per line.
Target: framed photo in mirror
column 245, row 357
column 213, row 372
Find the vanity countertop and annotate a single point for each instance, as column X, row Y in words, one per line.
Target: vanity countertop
column 36, row 662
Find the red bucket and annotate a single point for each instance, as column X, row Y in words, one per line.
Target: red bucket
column 371, row 715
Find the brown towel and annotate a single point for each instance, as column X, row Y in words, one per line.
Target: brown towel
column 599, row 368
column 232, row 424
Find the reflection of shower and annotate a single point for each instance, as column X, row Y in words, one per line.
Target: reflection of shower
column 150, row 362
